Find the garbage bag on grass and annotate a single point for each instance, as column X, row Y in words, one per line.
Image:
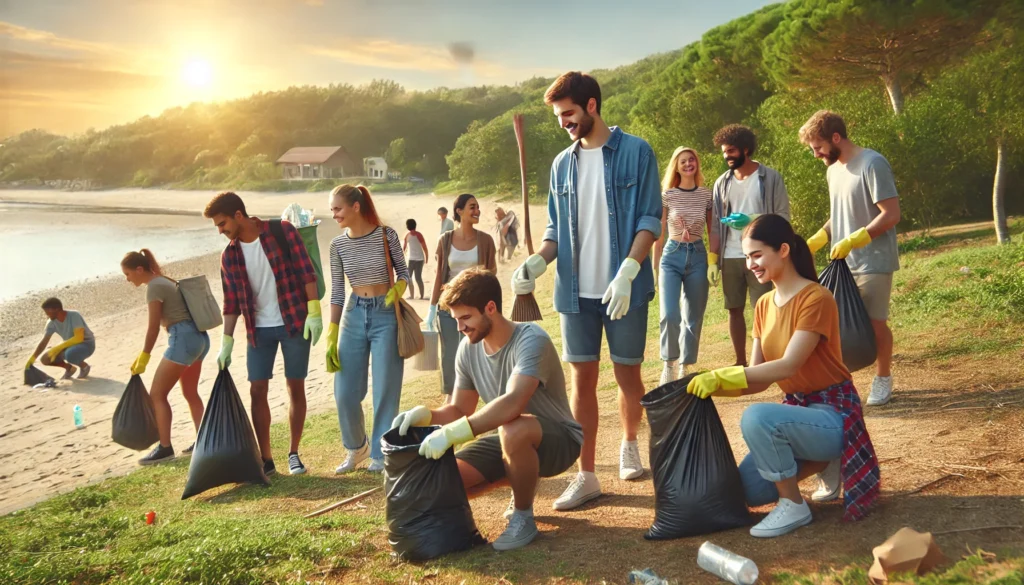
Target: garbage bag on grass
column 697, row 487
column 427, row 508
column 134, row 422
column 35, row 376
column 226, row 449
column 855, row 332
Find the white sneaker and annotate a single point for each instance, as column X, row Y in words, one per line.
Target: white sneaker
column 583, row 488
column 881, row 391
column 785, row 518
column 511, row 507
column 354, row 458
column 521, row 531
column 630, row 466
column 376, row 466
column 829, row 483
column 668, row 373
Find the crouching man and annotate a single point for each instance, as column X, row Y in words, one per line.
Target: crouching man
column 514, row 368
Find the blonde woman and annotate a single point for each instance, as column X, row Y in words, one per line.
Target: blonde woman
column 682, row 261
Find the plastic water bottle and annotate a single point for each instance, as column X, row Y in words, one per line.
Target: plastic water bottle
column 79, row 422
column 645, row 577
column 727, row 565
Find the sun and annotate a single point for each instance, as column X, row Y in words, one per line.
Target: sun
column 197, row 73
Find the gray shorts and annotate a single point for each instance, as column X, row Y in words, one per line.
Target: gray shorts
column 875, row 291
column 558, row 450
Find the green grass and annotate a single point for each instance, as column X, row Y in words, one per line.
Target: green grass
column 248, row 534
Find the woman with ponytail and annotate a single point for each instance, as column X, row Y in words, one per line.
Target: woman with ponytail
column 819, row 427
column 186, row 348
column 369, row 326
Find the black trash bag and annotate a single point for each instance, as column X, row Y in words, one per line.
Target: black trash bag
column 35, row 376
column 134, row 422
column 226, row 450
column 427, row 508
column 697, row 486
column 855, row 331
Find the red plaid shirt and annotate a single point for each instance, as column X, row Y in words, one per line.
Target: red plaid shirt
column 862, row 478
column 291, row 279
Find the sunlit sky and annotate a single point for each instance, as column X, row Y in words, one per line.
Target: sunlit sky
column 70, row 65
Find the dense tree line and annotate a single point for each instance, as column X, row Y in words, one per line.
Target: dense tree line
column 937, row 86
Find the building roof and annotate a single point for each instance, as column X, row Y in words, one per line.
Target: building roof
column 309, row 155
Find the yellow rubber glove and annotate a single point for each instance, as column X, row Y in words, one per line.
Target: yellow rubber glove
column 314, row 322
column 140, row 363
column 30, row 362
column 78, row 338
column 729, row 381
column 714, row 272
column 439, row 441
column 817, row 241
column 333, row 362
column 395, row 293
column 857, row 239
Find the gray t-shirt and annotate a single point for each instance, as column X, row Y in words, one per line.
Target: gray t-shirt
column 854, row 189
column 447, row 225
column 66, row 330
column 529, row 352
column 166, row 291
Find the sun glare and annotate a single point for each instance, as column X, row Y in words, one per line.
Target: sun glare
column 197, row 73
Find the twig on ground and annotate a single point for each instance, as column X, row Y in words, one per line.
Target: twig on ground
column 979, row 528
column 929, row 484
column 337, row 505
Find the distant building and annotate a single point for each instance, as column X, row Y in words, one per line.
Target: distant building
column 317, row 162
column 375, row 167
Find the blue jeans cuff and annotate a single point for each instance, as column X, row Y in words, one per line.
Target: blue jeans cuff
column 775, row 476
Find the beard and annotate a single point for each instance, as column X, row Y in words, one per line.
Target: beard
column 481, row 331
column 736, row 162
column 833, row 155
column 585, row 126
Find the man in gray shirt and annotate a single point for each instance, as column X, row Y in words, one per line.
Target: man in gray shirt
column 78, row 341
column 864, row 212
column 514, row 369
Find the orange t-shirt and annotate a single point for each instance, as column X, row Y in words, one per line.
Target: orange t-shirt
column 812, row 309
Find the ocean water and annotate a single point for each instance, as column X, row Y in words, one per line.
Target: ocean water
column 44, row 246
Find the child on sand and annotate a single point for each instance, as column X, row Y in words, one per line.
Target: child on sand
column 79, row 342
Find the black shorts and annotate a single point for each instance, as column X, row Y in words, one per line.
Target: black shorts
column 558, row 450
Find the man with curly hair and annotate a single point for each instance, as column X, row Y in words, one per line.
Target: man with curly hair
column 748, row 189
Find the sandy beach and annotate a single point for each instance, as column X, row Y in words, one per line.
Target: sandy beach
column 41, row 452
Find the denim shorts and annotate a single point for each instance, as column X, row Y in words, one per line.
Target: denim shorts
column 581, row 334
column 186, row 344
column 260, row 359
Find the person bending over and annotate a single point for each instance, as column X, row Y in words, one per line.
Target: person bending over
column 79, row 342
column 819, row 427
column 514, row 369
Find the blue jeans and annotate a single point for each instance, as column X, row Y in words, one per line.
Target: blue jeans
column 369, row 335
column 683, row 266
column 76, row 354
column 780, row 437
column 449, row 337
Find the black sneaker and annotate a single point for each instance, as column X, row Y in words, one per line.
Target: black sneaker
column 157, row 455
column 268, row 467
column 188, row 450
column 295, row 466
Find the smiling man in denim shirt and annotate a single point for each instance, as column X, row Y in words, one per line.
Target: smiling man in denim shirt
column 604, row 214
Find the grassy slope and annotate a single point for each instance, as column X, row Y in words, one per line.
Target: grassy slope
column 246, row 534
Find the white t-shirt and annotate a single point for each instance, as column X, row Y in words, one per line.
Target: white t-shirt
column 594, row 226
column 263, row 283
column 744, row 197
column 459, row 260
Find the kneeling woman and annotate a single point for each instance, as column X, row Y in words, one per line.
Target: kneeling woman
column 819, row 427
column 186, row 348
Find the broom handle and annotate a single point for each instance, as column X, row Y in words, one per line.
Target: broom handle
column 517, row 124
column 337, row 505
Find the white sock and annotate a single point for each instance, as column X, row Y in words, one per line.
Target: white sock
column 589, row 476
column 626, row 443
column 527, row 512
column 670, row 364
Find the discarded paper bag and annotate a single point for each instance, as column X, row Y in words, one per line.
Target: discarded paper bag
column 907, row 551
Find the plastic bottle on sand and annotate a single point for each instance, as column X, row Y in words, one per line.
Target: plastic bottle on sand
column 79, row 422
column 727, row 565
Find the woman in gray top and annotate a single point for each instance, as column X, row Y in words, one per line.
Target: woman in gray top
column 186, row 348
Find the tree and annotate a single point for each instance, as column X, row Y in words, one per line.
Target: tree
column 857, row 41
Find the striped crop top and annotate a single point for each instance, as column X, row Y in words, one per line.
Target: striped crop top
column 362, row 261
column 687, row 210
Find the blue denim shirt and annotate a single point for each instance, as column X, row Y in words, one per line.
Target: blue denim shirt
column 634, row 204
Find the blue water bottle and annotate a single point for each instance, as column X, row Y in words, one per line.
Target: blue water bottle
column 79, row 423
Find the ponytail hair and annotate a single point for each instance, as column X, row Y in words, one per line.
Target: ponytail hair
column 460, row 203
column 774, row 231
column 353, row 194
column 142, row 259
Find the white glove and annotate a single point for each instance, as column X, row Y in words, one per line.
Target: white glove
column 431, row 319
column 617, row 295
column 524, row 278
column 418, row 416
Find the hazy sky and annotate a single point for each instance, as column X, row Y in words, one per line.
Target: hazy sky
column 68, row 65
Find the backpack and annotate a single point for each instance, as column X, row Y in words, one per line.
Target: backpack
column 199, row 301
column 308, row 236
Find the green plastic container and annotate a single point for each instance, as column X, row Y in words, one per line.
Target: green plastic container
column 308, row 235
